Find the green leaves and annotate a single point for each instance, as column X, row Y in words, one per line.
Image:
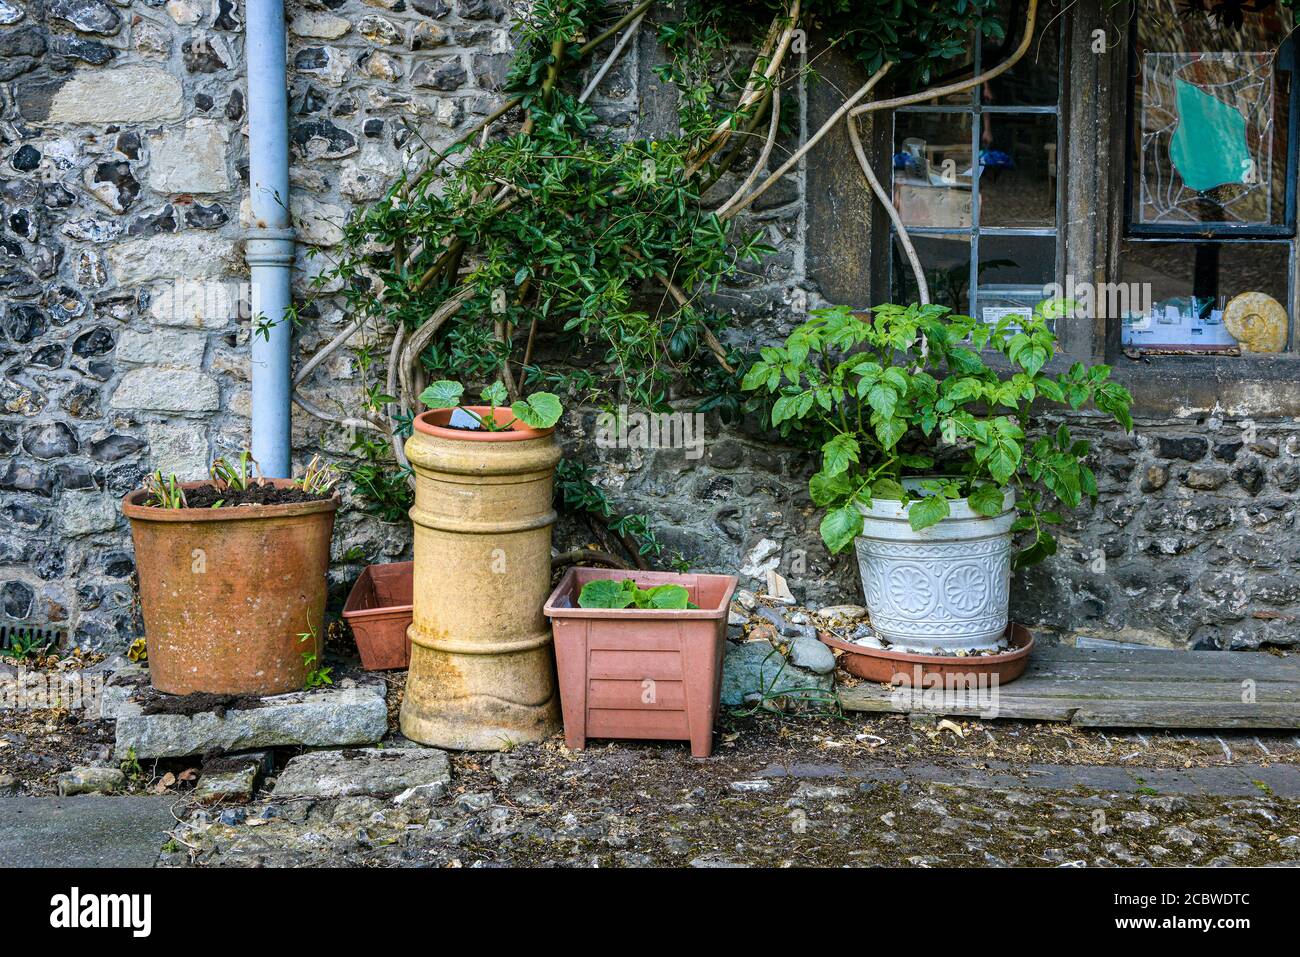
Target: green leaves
column 840, row 527
column 882, row 409
column 663, row 596
column 1115, row 400
column 839, row 453
column 1043, row 546
column 825, row 489
column 608, row 593
column 495, row 394
column 541, row 410
column 888, row 488
column 883, row 399
column 928, row 511
column 987, row 500
column 889, row 431
column 1000, row 449
column 442, row 394
column 794, row 405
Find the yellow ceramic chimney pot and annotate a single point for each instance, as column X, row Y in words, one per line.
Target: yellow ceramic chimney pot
column 482, row 674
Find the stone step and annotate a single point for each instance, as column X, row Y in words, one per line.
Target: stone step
column 331, row 717
column 377, row 772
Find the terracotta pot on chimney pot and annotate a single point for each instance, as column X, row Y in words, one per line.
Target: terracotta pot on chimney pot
column 482, row 673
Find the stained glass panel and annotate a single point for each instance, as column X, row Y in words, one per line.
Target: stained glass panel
column 1211, row 108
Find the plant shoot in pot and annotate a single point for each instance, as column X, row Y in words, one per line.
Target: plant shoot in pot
column 928, row 464
column 541, row 410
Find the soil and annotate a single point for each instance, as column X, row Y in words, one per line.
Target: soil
column 812, row 789
column 225, row 764
column 207, row 496
column 39, row 743
column 200, row 701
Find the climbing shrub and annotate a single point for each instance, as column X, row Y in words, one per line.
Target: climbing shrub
column 542, row 223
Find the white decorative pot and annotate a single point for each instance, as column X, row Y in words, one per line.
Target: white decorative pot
column 944, row 588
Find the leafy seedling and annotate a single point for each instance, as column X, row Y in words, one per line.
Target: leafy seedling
column 163, row 492
column 318, row 478
column 541, row 410
column 318, row 676
column 607, row 593
column 27, row 643
column 239, row 475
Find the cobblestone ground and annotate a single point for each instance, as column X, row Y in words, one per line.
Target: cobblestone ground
column 785, row 791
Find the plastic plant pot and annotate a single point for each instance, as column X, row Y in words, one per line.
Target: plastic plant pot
column 641, row 672
column 378, row 610
column 943, row 589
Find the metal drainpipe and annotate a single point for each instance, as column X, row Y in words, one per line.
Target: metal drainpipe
column 270, row 242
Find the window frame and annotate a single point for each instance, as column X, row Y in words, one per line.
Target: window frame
column 849, row 238
column 1165, row 387
column 976, row 110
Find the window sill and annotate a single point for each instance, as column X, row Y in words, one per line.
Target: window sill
column 1265, row 386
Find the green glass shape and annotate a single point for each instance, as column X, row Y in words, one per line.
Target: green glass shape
column 1209, row 146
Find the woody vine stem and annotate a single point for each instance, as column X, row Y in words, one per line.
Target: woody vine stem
column 534, row 226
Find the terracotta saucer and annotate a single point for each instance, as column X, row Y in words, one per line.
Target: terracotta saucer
column 882, row 665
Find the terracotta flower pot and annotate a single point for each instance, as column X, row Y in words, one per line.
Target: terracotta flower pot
column 378, row 610
column 226, row 592
column 640, row 672
column 482, row 670
column 902, row 668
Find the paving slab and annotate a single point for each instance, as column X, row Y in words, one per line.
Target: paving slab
column 86, row 831
column 1245, row 780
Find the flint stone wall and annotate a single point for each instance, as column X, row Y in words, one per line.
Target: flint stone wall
column 124, row 335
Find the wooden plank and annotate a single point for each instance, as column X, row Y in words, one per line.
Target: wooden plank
column 1113, row 691
column 1182, row 714
column 1222, row 664
column 1223, row 692
column 1086, row 671
column 873, row 699
column 1086, row 713
column 1162, row 665
column 1116, row 688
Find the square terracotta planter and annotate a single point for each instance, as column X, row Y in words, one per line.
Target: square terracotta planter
column 641, row 672
column 379, row 611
